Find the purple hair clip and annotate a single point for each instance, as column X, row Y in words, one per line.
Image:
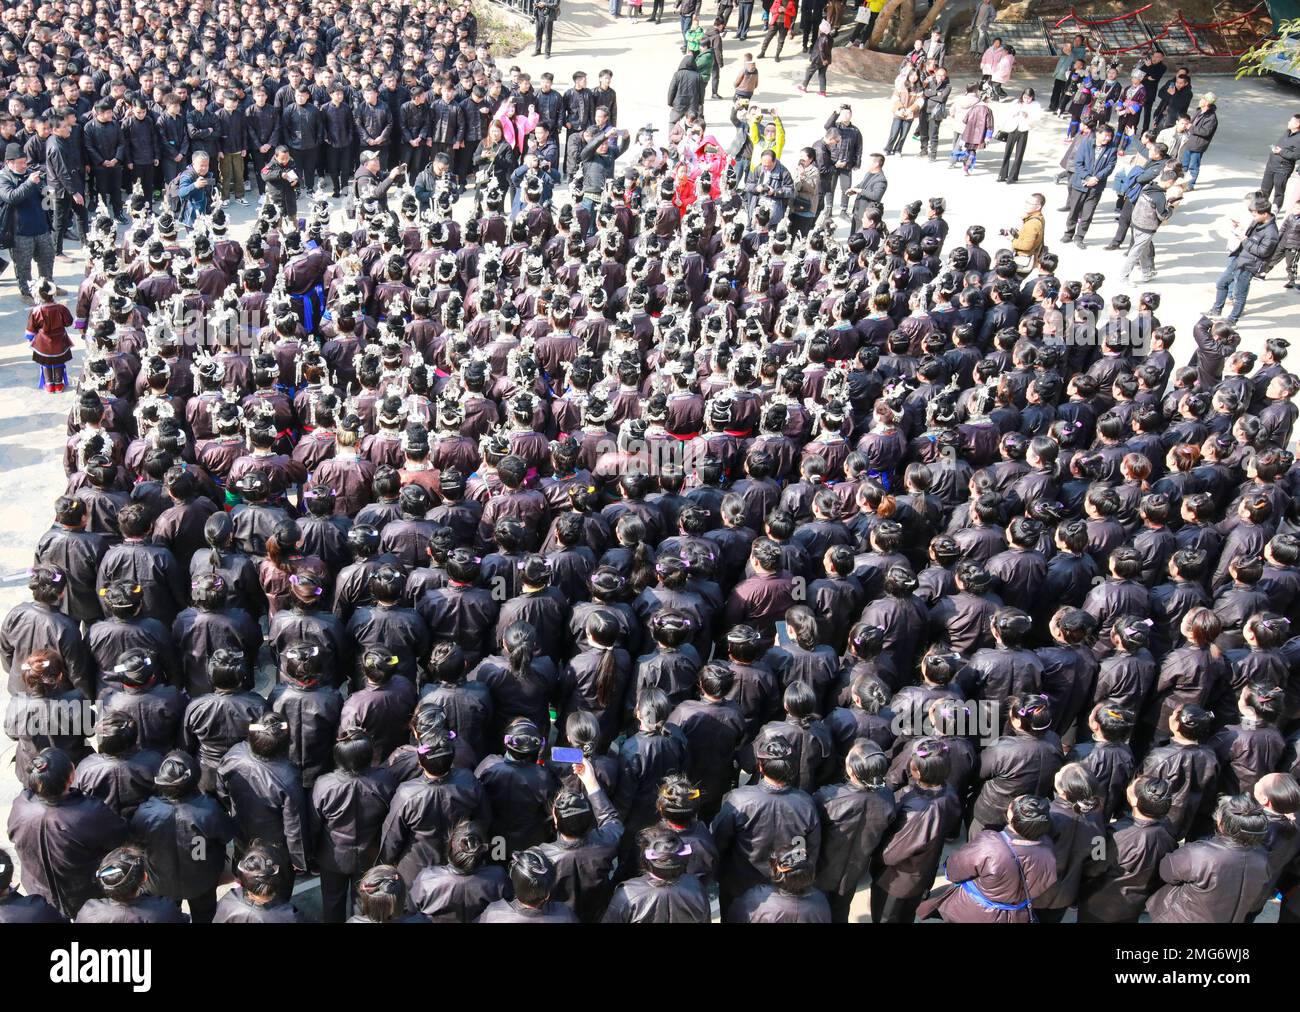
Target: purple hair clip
column 426, row 749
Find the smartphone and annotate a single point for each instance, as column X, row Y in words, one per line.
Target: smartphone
column 782, row 634
column 573, row 756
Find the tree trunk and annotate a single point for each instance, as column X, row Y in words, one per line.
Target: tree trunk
column 907, row 25
column 931, row 19
column 882, row 22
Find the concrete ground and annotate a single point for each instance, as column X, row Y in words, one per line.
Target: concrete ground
column 643, row 57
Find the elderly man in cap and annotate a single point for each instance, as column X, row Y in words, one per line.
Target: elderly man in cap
column 24, row 229
column 194, row 188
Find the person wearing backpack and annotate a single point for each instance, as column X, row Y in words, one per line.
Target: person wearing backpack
column 193, row 188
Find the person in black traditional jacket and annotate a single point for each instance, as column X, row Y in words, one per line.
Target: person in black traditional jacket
column 59, row 834
column 170, row 827
column 854, row 816
column 262, row 896
column 666, row 892
column 348, row 808
column 15, row 908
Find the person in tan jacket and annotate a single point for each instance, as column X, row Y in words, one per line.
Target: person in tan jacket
column 1027, row 240
column 905, row 104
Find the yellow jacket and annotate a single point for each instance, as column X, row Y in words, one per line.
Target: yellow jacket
column 875, row 6
column 1030, row 238
column 756, row 140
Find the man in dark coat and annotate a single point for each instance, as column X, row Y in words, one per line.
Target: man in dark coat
column 105, row 147
column 685, row 90
column 1281, row 163
column 301, row 131
column 1257, row 241
column 67, row 176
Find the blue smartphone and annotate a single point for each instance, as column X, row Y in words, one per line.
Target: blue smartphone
column 567, row 755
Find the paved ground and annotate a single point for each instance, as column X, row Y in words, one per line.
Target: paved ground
column 643, row 57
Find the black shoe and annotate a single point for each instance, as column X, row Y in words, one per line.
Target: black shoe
column 1068, row 237
column 1111, row 246
column 1080, row 243
column 1289, row 284
column 538, row 53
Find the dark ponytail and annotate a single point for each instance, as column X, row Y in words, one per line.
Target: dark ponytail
column 603, row 629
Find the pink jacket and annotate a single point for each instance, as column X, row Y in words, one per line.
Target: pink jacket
column 1000, row 65
column 514, row 129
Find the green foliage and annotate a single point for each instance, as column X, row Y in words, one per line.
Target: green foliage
column 1278, row 52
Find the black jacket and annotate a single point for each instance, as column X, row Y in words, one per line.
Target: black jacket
column 1210, row 882
column 232, row 131
column 263, row 127
column 374, row 123
column 301, row 127
column 168, row 829
column 60, row 844
column 103, row 142
column 347, row 817
column 266, row 800
column 1259, row 243
column 64, row 165
column 144, row 143
column 339, row 124
column 853, row 821
column 1134, row 851
column 753, row 821
column 204, row 131
column 449, row 896
column 650, row 900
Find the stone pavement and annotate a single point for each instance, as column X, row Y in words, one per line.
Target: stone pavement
column 643, row 57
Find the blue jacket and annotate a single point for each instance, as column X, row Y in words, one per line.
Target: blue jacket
column 21, row 209
column 1089, row 160
column 194, row 200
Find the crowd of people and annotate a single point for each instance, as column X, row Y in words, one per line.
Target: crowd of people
column 591, row 557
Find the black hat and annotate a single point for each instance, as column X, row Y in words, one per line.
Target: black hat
column 13, row 152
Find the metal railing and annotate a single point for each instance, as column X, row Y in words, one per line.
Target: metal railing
column 524, row 7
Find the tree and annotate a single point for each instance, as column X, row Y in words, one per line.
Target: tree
column 931, row 19
column 1278, row 52
column 906, row 25
column 882, row 22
